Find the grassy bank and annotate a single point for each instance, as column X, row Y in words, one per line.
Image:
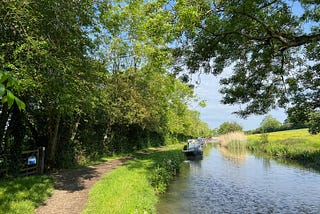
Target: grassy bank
column 22, row 195
column 297, row 145
column 133, row 188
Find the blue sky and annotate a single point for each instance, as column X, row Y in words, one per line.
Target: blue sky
column 216, row 113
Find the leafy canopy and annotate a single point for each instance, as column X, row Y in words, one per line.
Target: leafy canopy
column 271, row 47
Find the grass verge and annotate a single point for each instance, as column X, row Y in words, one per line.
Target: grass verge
column 133, row 187
column 297, row 145
column 23, row 194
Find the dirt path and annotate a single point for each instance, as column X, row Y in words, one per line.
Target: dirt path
column 71, row 187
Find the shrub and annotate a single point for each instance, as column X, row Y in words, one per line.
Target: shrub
column 228, row 127
column 165, row 170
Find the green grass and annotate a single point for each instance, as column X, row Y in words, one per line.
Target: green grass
column 133, row 187
column 297, row 145
column 23, row 194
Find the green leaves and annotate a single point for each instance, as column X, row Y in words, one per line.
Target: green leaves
column 263, row 44
column 6, row 81
column 2, row 89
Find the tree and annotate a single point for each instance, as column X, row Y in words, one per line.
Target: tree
column 6, row 82
column 314, row 127
column 269, row 124
column 227, row 127
column 94, row 76
column 44, row 45
column 271, row 50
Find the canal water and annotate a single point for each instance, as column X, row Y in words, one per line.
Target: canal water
column 236, row 182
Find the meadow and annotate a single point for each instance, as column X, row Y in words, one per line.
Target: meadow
column 296, row 145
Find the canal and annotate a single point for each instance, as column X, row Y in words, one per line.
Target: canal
column 236, row 182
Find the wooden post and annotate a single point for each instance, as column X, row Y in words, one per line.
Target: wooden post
column 41, row 160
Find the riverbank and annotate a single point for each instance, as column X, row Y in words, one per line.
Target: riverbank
column 134, row 187
column 295, row 145
column 69, row 188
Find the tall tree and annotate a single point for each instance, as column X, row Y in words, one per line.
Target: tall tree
column 45, row 46
column 271, row 47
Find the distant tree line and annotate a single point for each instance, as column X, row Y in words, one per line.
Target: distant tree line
column 268, row 124
column 271, row 124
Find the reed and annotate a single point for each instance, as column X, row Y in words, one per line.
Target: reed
column 233, row 140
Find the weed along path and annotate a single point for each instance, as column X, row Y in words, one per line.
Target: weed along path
column 71, row 187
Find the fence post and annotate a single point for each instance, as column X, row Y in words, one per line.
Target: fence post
column 41, row 160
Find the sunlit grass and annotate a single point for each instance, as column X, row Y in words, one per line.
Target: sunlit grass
column 133, row 187
column 297, row 145
column 300, row 138
column 22, row 195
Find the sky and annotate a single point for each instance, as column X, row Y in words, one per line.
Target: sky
column 216, row 113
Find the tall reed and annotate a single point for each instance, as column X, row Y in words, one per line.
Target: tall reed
column 233, row 140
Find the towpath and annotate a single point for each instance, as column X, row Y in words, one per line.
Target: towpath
column 71, row 187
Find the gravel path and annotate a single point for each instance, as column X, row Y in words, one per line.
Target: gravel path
column 71, row 187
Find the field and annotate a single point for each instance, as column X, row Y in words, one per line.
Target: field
column 297, row 145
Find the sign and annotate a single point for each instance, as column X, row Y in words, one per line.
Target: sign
column 32, row 160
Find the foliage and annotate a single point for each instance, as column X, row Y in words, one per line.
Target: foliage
column 271, row 48
column 314, row 127
column 166, row 168
column 22, row 195
column 269, row 124
column 132, row 188
column 296, row 145
column 6, row 81
column 95, row 79
column 228, row 127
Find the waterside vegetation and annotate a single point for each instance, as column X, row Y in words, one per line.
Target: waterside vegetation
column 295, row 145
column 233, row 140
column 133, row 187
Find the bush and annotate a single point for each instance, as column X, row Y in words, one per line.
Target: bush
column 228, row 127
column 165, row 170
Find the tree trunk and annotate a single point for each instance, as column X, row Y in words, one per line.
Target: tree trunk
column 53, row 139
column 75, row 129
column 4, row 116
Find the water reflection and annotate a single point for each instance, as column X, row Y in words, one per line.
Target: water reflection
column 232, row 182
column 235, row 155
